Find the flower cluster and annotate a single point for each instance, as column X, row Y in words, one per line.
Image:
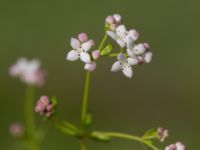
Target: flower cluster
column 44, row 107
column 176, row 146
column 112, row 21
column 28, row 71
column 135, row 53
column 81, row 48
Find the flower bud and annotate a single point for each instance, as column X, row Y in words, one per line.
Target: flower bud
column 90, row 66
column 110, row 19
column 134, row 34
column 96, row 54
column 117, row 18
column 83, row 37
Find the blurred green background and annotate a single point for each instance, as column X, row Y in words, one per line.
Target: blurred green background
column 163, row 93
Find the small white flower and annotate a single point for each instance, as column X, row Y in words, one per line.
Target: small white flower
column 124, row 64
column 80, row 50
column 28, row 71
column 141, row 52
column 176, row 146
column 123, row 37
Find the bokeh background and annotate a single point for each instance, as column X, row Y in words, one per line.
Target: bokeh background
column 163, row 93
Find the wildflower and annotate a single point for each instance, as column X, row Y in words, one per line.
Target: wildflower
column 44, row 107
column 28, row 71
column 141, row 52
column 91, row 66
column 113, row 21
column 123, row 37
column 163, row 134
column 80, row 46
column 176, row 146
column 124, row 64
column 17, row 129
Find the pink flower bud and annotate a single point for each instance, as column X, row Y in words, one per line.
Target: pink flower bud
column 117, row 18
column 83, row 37
column 110, row 19
column 91, row 42
column 90, row 66
column 17, row 129
column 146, row 45
column 49, row 107
column 96, row 54
column 134, row 34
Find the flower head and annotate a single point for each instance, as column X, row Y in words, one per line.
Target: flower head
column 44, row 107
column 163, row 134
column 176, row 146
column 113, row 21
column 17, row 129
column 28, row 71
column 123, row 37
column 80, row 46
column 141, row 52
column 124, row 64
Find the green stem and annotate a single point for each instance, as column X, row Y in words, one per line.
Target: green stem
column 29, row 117
column 83, row 144
column 130, row 137
column 85, row 97
column 103, row 42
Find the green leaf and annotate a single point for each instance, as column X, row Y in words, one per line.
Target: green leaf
column 54, row 101
column 107, row 50
column 66, row 129
column 151, row 134
column 101, row 136
column 88, row 120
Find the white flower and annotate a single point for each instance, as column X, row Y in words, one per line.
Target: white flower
column 28, row 71
column 124, row 64
column 177, row 146
column 141, row 52
column 80, row 50
column 123, row 37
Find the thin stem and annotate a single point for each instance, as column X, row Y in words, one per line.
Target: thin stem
column 103, row 42
column 85, row 96
column 83, row 144
column 115, row 54
column 130, row 137
column 29, row 117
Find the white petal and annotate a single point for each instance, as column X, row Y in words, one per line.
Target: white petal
column 139, row 49
column 112, row 35
column 133, row 34
column 130, row 52
column 86, row 46
column 116, row 66
column 180, row 146
column 85, row 57
column 121, row 42
column 128, row 72
column 130, row 42
column 148, row 57
column 90, row 66
column 121, row 29
column 72, row 55
column 75, row 43
column 117, row 17
column 132, row 61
